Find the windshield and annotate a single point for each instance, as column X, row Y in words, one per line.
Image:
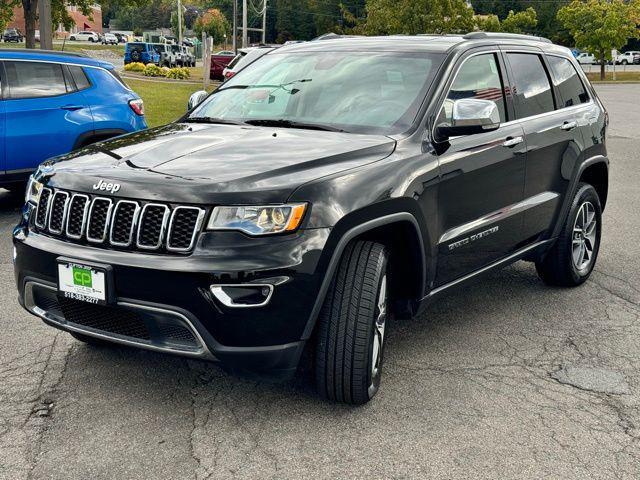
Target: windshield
column 360, row 92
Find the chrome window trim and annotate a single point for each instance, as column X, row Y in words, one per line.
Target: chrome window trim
column 64, row 211
column 46, row 215
column 106, row 225
column 134, row 223
column 163, row 227
column 84, row 216
column 196, row 229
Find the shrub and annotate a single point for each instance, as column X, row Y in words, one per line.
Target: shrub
column 178, row 73
column 152, row 70
column 134, row 67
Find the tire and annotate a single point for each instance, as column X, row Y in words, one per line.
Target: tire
column 350, row 339
column 72, row 38
column 93, row 341
column 571, row 260
column 624, row 62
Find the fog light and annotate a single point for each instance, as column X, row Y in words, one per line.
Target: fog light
column 245, row 295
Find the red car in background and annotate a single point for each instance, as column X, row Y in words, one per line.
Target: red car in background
column 219, row 61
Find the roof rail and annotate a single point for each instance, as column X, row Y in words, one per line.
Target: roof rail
column 506, row 36
column 44, row 52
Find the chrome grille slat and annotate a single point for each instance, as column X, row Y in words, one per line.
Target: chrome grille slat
column 121, row 224
column 152, row 228
column 42, row 212
column 77, row 215
column 57, row 211
column 184, row 229
column 98, row 223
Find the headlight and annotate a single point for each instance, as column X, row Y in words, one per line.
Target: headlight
column 257, row 220
column 34, row 188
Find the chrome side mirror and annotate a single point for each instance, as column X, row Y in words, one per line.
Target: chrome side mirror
column 470, row 116
column 196, row 99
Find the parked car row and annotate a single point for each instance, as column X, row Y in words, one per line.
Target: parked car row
column 55, row 102
column 626, row 58
column 161, row 54
column 225, row 64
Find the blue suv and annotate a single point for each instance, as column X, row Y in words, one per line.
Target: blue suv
column 55, row 102
column 141, row 52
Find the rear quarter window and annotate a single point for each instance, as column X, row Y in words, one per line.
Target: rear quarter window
column 79, row 77
column 567, row 81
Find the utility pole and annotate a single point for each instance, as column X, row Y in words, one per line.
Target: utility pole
column 235, row 26
column 245, row 36
column 264, row 22
column 179, row 22
column 46, row 29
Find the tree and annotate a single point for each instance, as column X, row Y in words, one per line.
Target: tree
column 521, row 22
column 214, row 24
column 410, row 17
column 599, row 26
column 6, row 12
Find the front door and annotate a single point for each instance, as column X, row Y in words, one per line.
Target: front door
column 46, row 114
column 482, row 177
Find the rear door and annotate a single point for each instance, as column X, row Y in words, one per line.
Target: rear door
column 47, row 114
column 553, row 140
column 482, row 176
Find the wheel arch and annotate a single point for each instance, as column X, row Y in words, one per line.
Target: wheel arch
column 402, row 233
column 594, row 167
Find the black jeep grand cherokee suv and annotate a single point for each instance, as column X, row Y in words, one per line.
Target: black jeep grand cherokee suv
column 323, row 189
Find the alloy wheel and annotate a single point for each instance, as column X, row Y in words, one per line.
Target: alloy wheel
column 584, row 237
column 378, row 336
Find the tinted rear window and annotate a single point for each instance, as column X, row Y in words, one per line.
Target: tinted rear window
column 566, row 79
column 35, row 79
column 531, row 84
column 139, row 47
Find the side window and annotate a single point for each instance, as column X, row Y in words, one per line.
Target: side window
column 478, row 77
column 567, row 81
column 35, row 79
column 531, row 84
column 79, row 77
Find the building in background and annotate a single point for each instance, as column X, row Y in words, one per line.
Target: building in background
column 92, row 22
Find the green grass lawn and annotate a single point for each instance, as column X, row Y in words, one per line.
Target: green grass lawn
column 620, row 76
column 73, row 46
column 163, row 102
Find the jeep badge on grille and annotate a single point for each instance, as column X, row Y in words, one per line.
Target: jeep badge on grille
column 109, row 187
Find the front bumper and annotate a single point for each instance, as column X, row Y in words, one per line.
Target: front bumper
column 155, row 294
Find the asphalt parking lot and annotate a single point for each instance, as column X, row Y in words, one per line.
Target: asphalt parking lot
column 506, row 379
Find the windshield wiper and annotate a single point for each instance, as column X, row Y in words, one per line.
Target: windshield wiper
column 221, row 121
column 265, row 85
column 267, row 122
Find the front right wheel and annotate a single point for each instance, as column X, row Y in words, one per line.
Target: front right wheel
column 572, row 258
column 352, row 322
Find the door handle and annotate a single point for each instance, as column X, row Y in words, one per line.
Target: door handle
column 512, row 141
column 72, row 107
column 569, row 125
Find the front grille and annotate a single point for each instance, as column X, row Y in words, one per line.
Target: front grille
column 123, row 224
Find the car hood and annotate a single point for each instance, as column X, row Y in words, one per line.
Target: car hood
column 203, row 163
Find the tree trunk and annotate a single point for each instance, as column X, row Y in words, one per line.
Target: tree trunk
column 602, row 65
column 30, row 9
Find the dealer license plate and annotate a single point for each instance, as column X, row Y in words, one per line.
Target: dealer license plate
column 82, row 282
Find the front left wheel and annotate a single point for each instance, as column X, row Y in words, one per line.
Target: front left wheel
column 352, row 322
